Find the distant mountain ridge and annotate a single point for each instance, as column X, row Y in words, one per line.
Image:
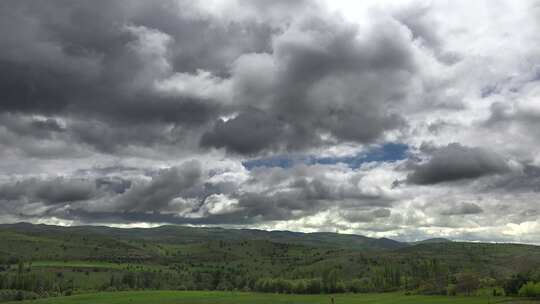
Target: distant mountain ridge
column 187, row 234
column 431, row 241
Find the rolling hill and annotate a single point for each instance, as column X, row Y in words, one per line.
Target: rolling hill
column 97, row 258
column 189, row 235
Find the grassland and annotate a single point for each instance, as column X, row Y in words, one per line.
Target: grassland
column 214, row 297
column 95, row 265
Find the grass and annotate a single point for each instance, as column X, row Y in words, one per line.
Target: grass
column 205, row 297
column 78, row 264
column 95, row 264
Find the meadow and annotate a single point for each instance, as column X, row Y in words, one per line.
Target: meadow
column 216, row 297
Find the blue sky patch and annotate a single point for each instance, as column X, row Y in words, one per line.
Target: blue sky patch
column 388, row 152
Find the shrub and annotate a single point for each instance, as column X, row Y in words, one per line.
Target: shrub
column 530, row 289
column 314, row 286
column 498, row 292
column 512, row 285
column 451, row 290
column 360, row 285
column 17, row 295
column 467, row 283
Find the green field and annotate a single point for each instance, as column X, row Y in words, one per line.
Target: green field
column 94, row 265
column 214, row 297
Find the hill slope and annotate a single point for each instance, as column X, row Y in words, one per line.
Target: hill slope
column 274, row 251
column 172, row 257
column 185, row 235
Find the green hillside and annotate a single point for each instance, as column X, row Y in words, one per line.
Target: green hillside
column 53, row 260
column 183, row 234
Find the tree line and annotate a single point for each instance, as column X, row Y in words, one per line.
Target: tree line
column 426, row 276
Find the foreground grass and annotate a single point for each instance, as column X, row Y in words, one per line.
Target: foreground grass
column 201, row 297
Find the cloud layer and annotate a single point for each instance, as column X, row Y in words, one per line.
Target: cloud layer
column 408, row 121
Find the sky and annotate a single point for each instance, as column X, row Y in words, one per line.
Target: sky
column 399, row 119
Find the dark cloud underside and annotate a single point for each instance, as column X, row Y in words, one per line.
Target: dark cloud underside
column 456, row 162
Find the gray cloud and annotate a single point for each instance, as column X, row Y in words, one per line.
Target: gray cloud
column 104, row 65
column 189, row 194
column 248, row 133
column 456, row 162
column 116, row 73
column 504, row 115
column 321, row 77
column 113, row 184
column 33, row 127
column 162, row 189
column 365, row 216
column 463, row 209
column 54, row 191
column 524, row 180
column 424, row 28
column 301, row 191
column 109, row 93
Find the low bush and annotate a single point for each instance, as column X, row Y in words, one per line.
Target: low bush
column 530, row 290
column 16, row 295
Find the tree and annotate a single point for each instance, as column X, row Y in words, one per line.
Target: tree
column 467, row 282
column 512, row 285
column 314, row 286
column 330, row 280
column 19, row 296
column 361, row 285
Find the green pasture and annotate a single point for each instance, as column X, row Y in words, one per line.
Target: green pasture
column 95, row 265
column 213, row 297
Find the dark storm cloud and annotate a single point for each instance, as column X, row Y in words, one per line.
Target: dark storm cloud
column 524, row 180
column 28, row 126
column 55, row 191
column 189, row 194
column 113, row 184
column 297, row 192
column 108, row 170
column 291, row 202
column 455, row 162
column 183, row 190
column 111, row 137
column 102, row 59
column 322, row 77
column 247, row 133
column 365, row 216
column 48, row 124
column 168, row 184
column 463, row 209
column 126, row 73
